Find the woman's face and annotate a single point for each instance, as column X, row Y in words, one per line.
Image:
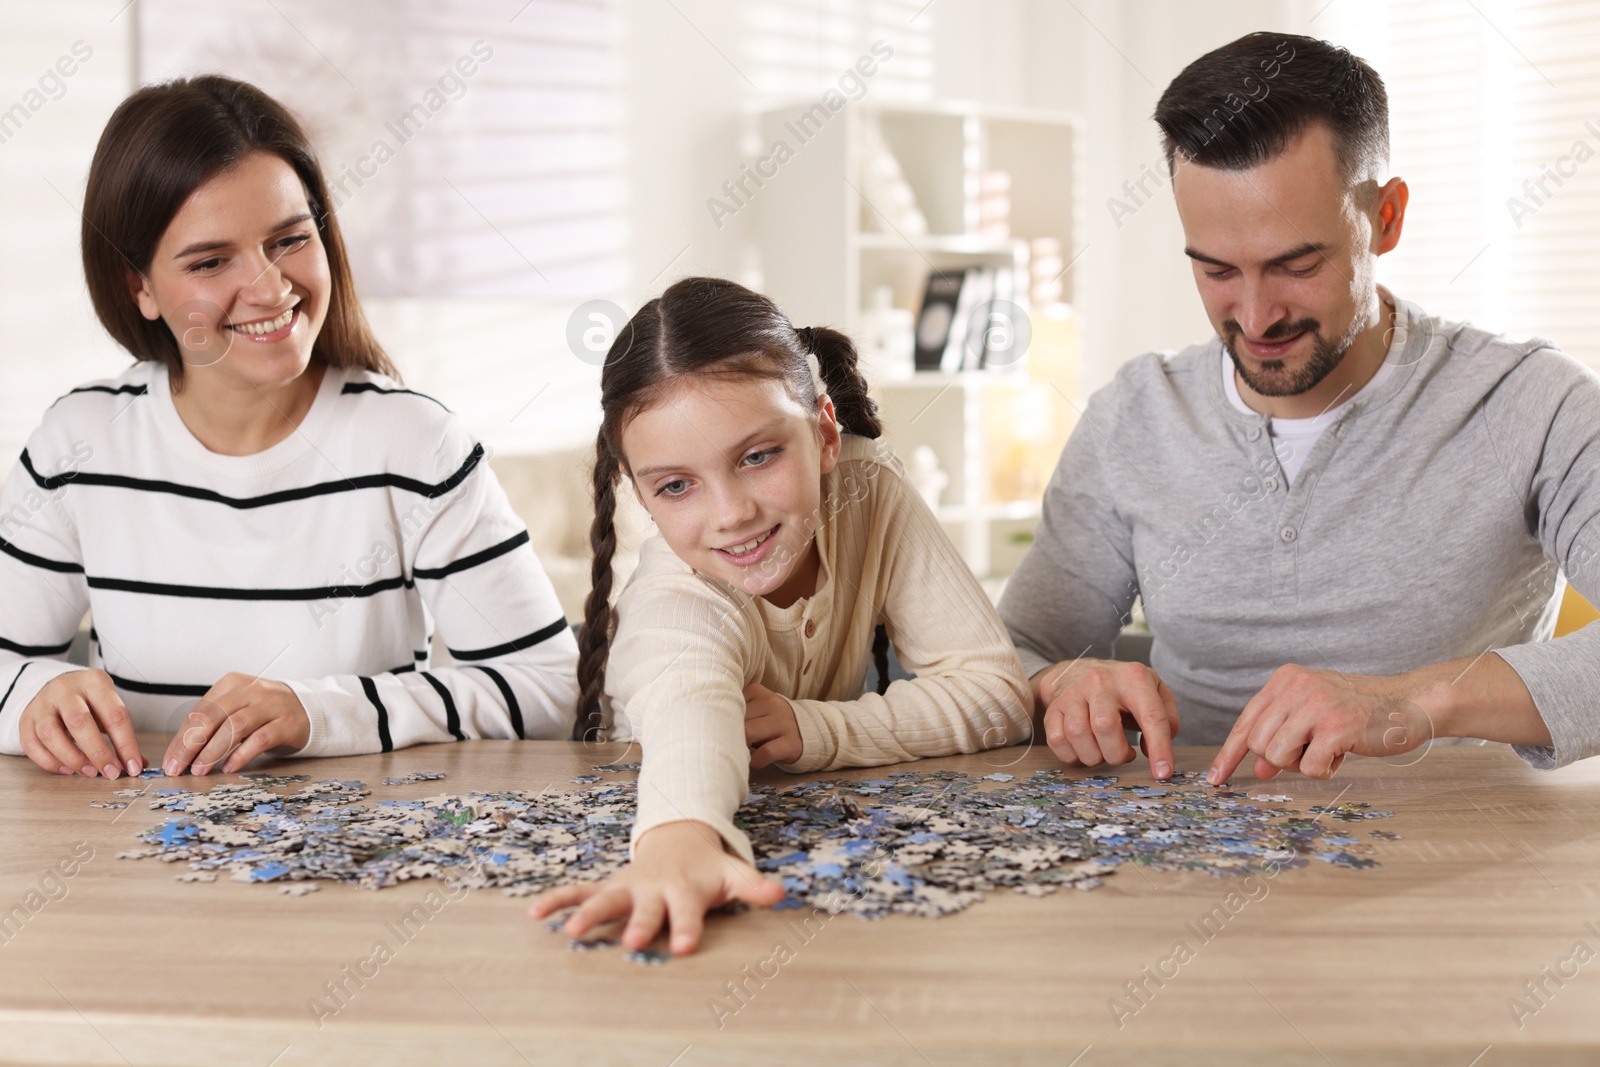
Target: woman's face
column 241, row 276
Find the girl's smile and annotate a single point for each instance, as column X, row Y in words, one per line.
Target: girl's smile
column 751, row 552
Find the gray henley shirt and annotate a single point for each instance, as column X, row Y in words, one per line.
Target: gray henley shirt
column 1433, row 520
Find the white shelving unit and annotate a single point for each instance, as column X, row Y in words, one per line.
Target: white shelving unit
column 825, row 249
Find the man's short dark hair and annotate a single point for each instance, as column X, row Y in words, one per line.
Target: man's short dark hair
column 1242, row 104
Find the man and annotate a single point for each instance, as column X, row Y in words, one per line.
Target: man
column 1345, row 519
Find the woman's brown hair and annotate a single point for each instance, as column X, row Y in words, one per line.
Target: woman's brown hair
column 701, row 326
column 162, row 144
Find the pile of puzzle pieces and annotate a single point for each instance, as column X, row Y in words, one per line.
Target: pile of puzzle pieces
column 912, row 842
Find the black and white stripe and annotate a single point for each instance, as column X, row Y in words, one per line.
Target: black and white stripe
column 324, row 564
column 282, row 496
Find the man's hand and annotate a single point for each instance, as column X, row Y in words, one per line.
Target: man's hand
column 1089, row 702
column 770, row 728
column 679, row 872
column 62, row 727
column 237, row 720
column 1308, row 720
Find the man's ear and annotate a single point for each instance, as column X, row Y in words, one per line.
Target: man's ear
column 139, row 289
column 828, row 428
column 1389, row 215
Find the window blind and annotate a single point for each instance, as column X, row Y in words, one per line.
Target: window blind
column 1495, row 125
column 475, row 150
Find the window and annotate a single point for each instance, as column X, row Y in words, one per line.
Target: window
column 1495, row 125
column 798, row 48
column 474, row 150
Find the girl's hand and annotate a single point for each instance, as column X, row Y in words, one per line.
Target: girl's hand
column 770, row 728
column 679, row 872
column 242, row 715
column 62, row 726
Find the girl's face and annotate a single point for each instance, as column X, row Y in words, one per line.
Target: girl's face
column 731, row 472
column 241, row 276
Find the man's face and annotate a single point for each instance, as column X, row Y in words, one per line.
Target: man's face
column 1284, row 261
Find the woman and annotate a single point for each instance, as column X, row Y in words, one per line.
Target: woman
column 264, row 524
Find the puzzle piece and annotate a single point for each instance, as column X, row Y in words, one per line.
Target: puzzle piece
column 414, row 776
column 268, row 780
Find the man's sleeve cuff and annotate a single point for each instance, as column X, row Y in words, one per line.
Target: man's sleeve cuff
column 1032, row 663
column 1545, row 668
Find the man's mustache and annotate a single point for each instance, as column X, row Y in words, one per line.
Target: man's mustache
column 1278, row 331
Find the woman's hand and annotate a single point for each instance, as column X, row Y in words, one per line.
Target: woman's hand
column 242, row 715
column 679, row 872
column 770, row 728
column 62, row 727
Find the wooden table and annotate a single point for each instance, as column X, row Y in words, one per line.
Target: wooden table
column 1416, row 962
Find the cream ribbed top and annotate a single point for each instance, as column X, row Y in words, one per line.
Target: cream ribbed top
column 687, row 645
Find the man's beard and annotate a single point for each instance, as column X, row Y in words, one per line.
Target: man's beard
column 1275, row 378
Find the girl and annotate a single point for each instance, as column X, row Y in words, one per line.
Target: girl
column 786, row 536
column 256, row 513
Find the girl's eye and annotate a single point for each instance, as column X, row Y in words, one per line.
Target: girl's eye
column 204, row 266
column 676, row 487
column 761, row 458
column 294, row 241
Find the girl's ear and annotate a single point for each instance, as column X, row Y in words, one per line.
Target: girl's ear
column 139, row 289
column 828, row 428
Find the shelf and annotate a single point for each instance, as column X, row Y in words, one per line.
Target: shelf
column 827, row 255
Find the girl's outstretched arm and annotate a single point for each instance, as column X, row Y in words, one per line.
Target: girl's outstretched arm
column 678, row 667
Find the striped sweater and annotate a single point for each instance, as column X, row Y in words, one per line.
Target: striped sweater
column 324, row 561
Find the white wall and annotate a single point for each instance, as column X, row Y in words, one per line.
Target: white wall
column 52, row 339
column 685, row 94
column 1109, row 61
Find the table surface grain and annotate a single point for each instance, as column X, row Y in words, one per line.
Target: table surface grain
column 1495, row 883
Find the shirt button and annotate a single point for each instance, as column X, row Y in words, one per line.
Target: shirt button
column 1287, row 533
column 1271, row 485
column 811, row 627
column 1254, row 434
